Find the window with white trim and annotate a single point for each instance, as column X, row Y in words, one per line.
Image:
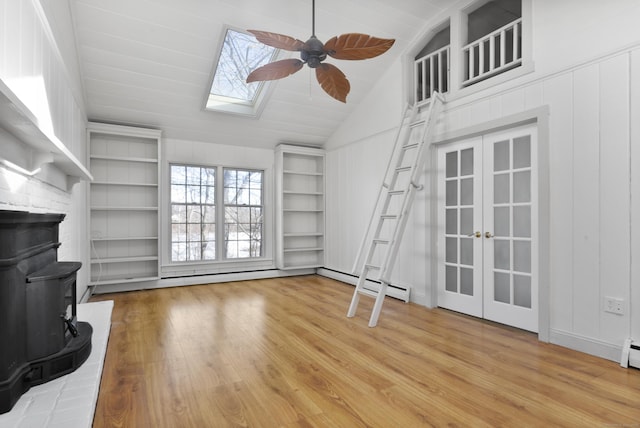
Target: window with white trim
column 432, row 66
column 201, row 232
column 494, row 40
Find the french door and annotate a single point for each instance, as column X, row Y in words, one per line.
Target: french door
column 487, row 222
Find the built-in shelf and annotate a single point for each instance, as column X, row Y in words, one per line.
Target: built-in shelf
column 17, row 119
column 124, row 259
column 124, row 213
column 300, row 207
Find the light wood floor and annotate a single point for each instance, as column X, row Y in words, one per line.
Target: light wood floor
column 281, row 353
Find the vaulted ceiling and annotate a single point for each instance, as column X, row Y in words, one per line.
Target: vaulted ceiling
column 150, row 63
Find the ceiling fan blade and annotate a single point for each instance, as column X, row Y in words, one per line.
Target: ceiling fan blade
column 357, row 46
column 275, row 70
column 279, row 41
column 333, row 81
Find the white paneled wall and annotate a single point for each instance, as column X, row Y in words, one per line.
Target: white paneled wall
column 593, row 135
column 33, row 67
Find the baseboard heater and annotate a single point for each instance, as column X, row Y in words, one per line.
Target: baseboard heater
column 630, row 354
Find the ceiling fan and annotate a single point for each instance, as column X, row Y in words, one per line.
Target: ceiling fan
column 352, row 46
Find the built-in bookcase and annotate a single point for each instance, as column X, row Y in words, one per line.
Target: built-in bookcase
column 300, row 207
column 124, row 203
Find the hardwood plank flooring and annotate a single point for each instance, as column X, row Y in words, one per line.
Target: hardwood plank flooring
column 281, row 353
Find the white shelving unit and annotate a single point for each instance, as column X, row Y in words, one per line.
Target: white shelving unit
column 124, row 203
column 300, row 207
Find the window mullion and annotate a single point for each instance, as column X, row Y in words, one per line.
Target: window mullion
column 220, row 214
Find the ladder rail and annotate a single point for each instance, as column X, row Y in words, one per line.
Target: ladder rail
column 363, row 242
column 388, row 189
column 417, row 168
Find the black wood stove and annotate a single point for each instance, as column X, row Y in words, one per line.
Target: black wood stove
column 40, row 337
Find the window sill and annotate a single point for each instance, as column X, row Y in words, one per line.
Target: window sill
column 497, row 82
column 177, row 269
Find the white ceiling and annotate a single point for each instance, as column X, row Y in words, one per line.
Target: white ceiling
column 150, row 62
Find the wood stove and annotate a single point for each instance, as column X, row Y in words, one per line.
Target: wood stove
column 40, row 337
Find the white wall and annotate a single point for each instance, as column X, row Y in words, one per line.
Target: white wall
column 35, row 63
column 586, row 57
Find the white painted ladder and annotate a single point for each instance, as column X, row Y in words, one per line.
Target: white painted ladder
column 400, row 183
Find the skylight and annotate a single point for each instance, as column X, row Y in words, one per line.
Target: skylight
column 239, row 55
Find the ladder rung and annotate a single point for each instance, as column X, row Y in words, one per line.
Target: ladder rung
column 372, row 267
column 403, row 169
column 389, row 217
column 381, row 241
column 396, row 192
column 410, row 146
column 368, row 292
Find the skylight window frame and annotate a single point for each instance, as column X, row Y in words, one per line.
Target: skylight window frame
column 223, row 104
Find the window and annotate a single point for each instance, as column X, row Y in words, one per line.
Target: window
column 240, row 54
column 432, row 66
column 196, row 224
column 243, row 213
column 494, row 40
column 193, row 213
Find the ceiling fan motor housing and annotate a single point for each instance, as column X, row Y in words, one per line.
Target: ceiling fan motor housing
column 313, row 53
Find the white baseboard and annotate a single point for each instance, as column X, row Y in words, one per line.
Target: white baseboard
column 395, row 291
column 197, row 280
column 587, row 345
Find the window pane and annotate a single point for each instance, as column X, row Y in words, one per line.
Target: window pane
column 522, row 186
column 466, row 162
column 501, row 156
column 451, row 279
column 452, row 165
column 451, row 227
column 192, row 223
column 243, row 213
column 178, row 193
column 522, row 152
column 452, row 193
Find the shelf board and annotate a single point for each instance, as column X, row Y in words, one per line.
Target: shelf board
column 302, row 234
column 296, row 192
column 306, row 250
column 312, row 266
column 295, row 210
column 134, row 238
column 111, row 183
column 124, row 280
column 100, row 208
column 124, row 260
column 124, row 159
column 309, row 173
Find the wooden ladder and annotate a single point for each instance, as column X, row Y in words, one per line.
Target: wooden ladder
column 393, row 206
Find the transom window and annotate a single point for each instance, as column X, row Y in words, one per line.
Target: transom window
column 200, row 232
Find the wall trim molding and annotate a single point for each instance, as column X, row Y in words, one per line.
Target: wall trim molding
column 197, row 280
column 586, row 345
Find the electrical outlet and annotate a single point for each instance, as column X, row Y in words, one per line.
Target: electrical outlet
column 613, row 305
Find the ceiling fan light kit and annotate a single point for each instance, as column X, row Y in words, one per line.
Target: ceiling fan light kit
column 350, row 46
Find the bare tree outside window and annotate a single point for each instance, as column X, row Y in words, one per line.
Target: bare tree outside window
column 243, row 219
column 241, row 54
column 193, row 213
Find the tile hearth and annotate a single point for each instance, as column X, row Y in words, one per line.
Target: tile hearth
column 70, row 400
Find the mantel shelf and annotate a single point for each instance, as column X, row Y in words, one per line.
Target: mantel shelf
column 18, row 120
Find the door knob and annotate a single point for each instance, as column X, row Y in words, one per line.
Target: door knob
column 476, row 234
column 488, row 235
